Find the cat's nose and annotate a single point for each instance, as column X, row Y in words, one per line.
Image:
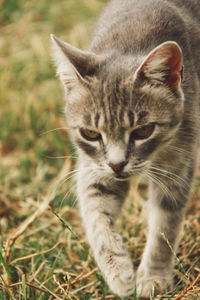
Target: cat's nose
column 117, row 168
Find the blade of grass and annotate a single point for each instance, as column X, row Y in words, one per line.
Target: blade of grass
column 2, row 296
column 2, row 260
column 7, row 290
column 34, row 254
column 53, row 268
column 24, row 286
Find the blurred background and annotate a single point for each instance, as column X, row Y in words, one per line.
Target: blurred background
column 43, row 251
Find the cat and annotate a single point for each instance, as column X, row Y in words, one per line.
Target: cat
column 132, row 108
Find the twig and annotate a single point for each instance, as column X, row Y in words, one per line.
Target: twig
column 8, row 289
column 9, row 243
column 81, row 277
column 37, row 288
column 41, row 267
column 84, row 287
column 63, row 222
column 34, row 254
column 49, row 291
column 187, row 289
column 22, row 228
column 30, row 285
column 60, row 287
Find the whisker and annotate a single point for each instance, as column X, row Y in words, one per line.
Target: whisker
column 169, row 175
column 65, row 196
column 73, row 173
column 68, row 173
column 55, row 157
column 59, row 128
column 158, row 182
column 75, row 200
column 179, row 149
column 165, row 175
column 65, row 180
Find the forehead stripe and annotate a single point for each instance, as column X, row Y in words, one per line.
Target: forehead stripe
column 142, row 115
column 131, row 118
column 87, row 119
column 126, row 96
column 96, row 119
column 121, row 116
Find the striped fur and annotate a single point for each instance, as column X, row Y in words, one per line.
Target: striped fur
column 132, row 80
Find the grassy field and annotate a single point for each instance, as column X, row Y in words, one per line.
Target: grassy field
column 43, row 250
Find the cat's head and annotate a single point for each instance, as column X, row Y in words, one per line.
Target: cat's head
column 121, row 110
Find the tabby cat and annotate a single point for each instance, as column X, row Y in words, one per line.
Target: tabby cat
column 131, row 109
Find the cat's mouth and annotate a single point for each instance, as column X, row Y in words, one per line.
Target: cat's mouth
column 127, row 176
column 122, row 177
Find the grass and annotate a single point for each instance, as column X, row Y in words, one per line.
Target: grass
column 44, row 253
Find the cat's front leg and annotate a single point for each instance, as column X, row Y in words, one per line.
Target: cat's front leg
column 165, row 216
column 100, row 203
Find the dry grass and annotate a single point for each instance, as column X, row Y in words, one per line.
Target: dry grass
column 44, row 253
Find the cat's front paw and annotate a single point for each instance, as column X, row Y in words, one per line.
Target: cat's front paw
column 122, row 283
column 149, row 285
column 120, row 277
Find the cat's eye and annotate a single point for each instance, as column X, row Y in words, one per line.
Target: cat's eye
column 90, row 135
column 143, row 132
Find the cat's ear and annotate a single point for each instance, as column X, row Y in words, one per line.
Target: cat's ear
column 73, row 64
column 163, row 64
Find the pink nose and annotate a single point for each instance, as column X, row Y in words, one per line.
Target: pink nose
column 117, row 167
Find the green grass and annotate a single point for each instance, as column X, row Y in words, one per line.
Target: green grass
column 49, row 257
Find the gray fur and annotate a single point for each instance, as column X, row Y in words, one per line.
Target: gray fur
column 131, row 78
